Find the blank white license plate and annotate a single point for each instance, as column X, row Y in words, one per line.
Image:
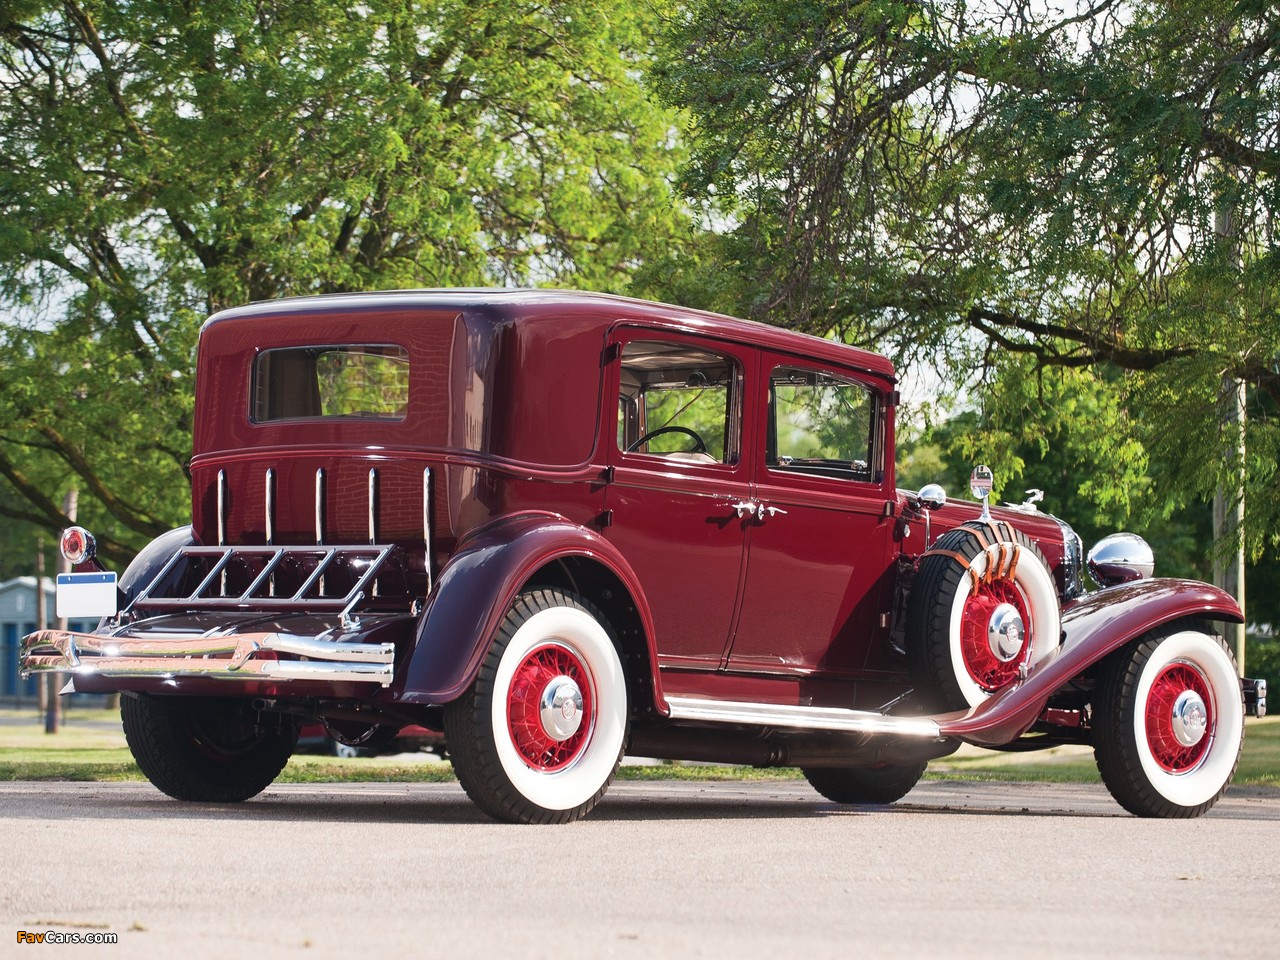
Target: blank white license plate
column 86, row 595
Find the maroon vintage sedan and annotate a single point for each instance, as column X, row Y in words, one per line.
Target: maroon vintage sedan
column 566, row 527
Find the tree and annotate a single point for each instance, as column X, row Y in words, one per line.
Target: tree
column 965, row 183
column 161, row 160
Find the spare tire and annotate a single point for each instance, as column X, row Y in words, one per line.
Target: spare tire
column 983, row 609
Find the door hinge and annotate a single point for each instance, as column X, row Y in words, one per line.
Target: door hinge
column 605, row 519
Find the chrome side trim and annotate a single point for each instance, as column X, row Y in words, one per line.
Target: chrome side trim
column 800, row 718
column 230, row 657
column 319, row 505
column 269, row 498
column 373, row 505
column 426, row 521
column 222, row 507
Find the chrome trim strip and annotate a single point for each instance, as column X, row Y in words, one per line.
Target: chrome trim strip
column 222, row 507
column 319, row 505
column 802, row 718
column 373, row 505
column 426, row 521
column 269, row 500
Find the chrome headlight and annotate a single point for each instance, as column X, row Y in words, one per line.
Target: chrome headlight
column 1072, row 562
column 1121, row 558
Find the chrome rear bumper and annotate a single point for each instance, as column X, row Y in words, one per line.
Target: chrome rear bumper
column 244, row 656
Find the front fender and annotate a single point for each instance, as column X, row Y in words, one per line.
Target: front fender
column 1092, row 627
column 479, row 584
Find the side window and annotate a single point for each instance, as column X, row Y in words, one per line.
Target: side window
column 678, row 402
column 821, row 424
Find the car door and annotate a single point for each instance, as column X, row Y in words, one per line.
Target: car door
column 818, row 571
column 679, row 498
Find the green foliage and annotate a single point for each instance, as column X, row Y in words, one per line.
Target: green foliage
column 363, row 382
column 700, row 409
column 1064, row 431
column 159, row 161
column 825, row 420
column 1262, row 660
column 1088, row 187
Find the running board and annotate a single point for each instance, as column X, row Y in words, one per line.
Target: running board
column 800, row 718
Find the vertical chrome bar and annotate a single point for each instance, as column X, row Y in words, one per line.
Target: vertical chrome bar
column 222, row 508
column 271, row 506
column 426, row 521
column 270, row 510
column 222, row 526
column 320, row 505
column 373, row 514
column 320, row 514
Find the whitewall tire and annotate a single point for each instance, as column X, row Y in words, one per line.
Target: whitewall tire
column 539, row 735
column 1169, row 723
column 983, row 611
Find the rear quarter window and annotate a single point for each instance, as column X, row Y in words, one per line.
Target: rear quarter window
column 350, row 381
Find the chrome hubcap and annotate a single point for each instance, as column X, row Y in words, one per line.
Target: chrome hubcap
column 560, row 708
column 1006, row 632
column 1190, row 718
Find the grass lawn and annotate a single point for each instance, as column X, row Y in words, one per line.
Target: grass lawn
column 91, row 746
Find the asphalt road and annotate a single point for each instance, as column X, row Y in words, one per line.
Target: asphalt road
column 734, row 870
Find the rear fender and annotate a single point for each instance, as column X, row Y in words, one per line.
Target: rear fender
column 1092, row 627
column 479, row 584
column 147, row 565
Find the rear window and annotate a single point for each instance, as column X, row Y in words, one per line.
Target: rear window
column 354, row 381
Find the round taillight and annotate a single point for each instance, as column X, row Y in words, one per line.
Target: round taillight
column 78, row 545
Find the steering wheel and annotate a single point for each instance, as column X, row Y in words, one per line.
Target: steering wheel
column 700, row 448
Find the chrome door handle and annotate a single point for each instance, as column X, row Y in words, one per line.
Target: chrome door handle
column 751, row 508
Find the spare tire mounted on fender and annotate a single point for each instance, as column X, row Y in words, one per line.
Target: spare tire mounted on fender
column 984, row 608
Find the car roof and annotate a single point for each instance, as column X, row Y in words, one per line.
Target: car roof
column 515, row 304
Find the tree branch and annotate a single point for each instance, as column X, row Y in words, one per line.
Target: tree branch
column 69, row 454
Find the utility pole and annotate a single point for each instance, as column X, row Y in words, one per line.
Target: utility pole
column 42, row 687
column 53, row 716
column 1228, row 500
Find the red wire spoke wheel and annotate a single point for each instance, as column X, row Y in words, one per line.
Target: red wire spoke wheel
column 1179, row 718
column 1169, row 722
column 993, row 665
column 549, row 708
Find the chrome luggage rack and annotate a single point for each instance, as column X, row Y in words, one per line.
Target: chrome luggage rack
column 316, row 579
column 312, row 578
